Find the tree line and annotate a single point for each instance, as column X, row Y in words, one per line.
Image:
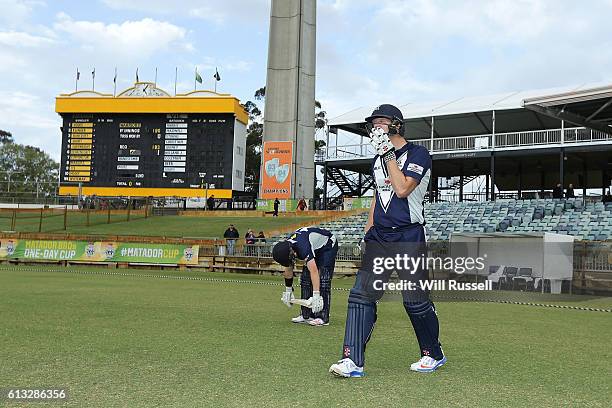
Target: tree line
column 25, row 169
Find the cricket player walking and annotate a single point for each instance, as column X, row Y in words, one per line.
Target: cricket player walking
column 395, row 225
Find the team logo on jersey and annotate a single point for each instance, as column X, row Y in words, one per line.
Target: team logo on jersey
column 383, row 184
column 402, row 160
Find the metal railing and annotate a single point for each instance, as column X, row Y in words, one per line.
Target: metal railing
column 482, row 142
column 262, row 248
column 539, row 137
column 592, row 266
column 349, row 151
column 592, row 255
column 28, row 199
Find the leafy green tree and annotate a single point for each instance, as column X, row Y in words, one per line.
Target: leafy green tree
column 5, row 137
column 253, row 145
column 27, row 169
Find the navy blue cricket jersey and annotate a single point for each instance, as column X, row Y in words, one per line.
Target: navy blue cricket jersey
column 390, row 210
column 307, row 242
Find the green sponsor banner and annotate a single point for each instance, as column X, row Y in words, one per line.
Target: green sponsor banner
column 265, row 205
column 43, row 250
column 285, row 205
column 365, row 202
column 98, row 251
column 357, row 203
column 156, row 253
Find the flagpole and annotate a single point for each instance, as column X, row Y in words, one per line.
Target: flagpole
column 93, row 80
column 217, row 78
column 175, row 79
column 194, row 79
column 115, row 83
column 156, row 77
column 76, row 82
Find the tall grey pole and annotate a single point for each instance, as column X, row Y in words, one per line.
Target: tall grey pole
column 290, row 87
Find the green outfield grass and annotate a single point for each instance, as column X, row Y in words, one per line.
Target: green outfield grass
column 170, row 226
column 143, row 341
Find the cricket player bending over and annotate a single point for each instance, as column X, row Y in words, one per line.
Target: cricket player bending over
column 317, row 247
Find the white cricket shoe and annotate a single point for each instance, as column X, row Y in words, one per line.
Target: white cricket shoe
column 300, row 319
column 427, row 364
column 318, row 322
column 346, row 368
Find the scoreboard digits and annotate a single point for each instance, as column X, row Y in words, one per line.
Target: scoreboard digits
column 147, row 150
column 175, row 146
column 79, row 151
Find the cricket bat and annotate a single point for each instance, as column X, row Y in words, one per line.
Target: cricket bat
column 301, row 302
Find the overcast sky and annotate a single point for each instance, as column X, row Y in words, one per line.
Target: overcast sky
column 368, row 52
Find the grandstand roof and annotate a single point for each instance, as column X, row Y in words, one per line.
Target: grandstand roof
column 586, row 107
column 471, row 107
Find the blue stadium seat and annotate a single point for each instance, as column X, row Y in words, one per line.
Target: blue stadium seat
column 592, row 221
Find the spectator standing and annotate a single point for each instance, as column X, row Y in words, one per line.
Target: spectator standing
column 249, row 240
column 557, row 191
column 231, row 235
column 210, row 203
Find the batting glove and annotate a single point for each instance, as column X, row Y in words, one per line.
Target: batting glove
column 316, row 302
column 379, row 139
column 287, row 297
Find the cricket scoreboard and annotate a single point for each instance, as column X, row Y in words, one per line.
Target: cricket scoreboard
column 151, row 144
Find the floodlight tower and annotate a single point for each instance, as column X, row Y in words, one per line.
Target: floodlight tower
column 290, row 87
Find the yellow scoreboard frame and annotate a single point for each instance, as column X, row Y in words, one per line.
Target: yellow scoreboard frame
column 138, row 101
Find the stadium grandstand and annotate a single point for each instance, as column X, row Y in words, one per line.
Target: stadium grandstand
column 496, row 160
column 590, row 221
column 516, row 145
